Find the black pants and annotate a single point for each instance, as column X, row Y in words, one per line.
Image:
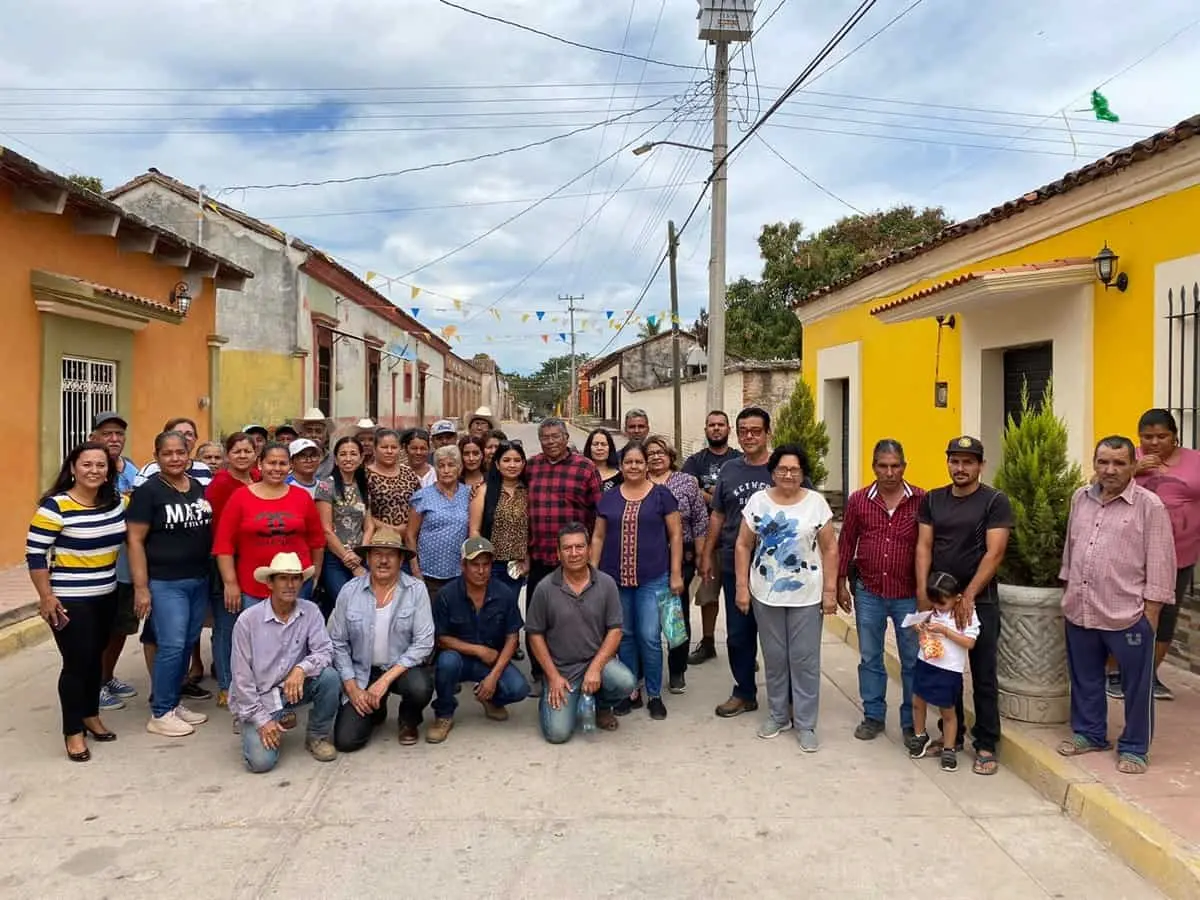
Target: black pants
column 537, row 571
column 986, row 733
column 677, row 656
column 81, row 645
column 351, row 731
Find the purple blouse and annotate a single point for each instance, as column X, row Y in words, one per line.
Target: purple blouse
column 636, row 547
column 693, row 511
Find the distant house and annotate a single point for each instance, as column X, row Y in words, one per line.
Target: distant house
column 105, row 311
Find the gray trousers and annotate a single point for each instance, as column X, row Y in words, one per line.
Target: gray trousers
column 791, row 646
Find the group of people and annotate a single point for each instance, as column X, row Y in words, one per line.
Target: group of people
column 392, row 563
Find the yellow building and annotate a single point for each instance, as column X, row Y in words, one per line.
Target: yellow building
column 936, row 340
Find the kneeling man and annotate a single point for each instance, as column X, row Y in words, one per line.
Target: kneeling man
column 574, row 630
column 478, row 628
column 281, row 660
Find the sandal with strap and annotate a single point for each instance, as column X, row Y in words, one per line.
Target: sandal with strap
column 1132, row 764
column 1078, row 745
column 985, row 763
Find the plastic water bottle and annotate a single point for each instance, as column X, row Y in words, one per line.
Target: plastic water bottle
column 587, row 713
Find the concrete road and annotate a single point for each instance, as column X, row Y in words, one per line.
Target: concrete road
column 695, row 806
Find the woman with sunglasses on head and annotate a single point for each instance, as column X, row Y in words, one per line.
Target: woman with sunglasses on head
column 601, row 451
column 342, row 504
column 390, row 482
column 71, row 550
column 471, row 449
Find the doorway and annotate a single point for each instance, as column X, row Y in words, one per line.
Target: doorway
column 1033, row 366
column 837, row 425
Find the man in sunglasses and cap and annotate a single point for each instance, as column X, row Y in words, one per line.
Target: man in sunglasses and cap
column 282, row 659
column 382, row 630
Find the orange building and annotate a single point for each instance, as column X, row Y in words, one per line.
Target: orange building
column 102, row 310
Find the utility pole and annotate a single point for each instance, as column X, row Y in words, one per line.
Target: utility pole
column 572, row 399
column 716, row 264
column 677, row 396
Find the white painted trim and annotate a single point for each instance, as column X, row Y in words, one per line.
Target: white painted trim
column 101, row 317
column 1167, row 172
column 844, row 361
column 993, row 285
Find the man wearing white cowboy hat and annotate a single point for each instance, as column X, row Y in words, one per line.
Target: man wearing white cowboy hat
column 382, row 629
column 364, row 430
column 315, row 426
column 481, row 422
column 282, row 659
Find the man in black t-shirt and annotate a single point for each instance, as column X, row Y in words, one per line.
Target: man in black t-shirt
column 705, row 465
column 964, row 530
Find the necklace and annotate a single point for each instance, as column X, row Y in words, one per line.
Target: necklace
column 81, row 502
column 171, row 484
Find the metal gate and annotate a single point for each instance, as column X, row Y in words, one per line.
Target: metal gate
column 1183, row 360
column 89, row 386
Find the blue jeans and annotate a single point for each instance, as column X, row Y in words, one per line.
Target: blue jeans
column 334, row 576
column 616, row 684
column 324, row 693
column 452, row 668
column 222, row 637
column 177, row 611
column 871, row 614
column 641, row 632
column 741, row 641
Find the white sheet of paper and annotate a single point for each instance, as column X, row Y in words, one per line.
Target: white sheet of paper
column 915, row 619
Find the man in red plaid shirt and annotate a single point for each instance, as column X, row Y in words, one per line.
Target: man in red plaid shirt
column 563, row 487
column 877, row 564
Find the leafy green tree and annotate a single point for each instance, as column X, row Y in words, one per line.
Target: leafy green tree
column 1039, row 479
column 797, row 423
column 548, row 386
column 91, row 182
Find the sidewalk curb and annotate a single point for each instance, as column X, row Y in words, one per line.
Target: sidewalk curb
column 1150, row 849
column 27, row 633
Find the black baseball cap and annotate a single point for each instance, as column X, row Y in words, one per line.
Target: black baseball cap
column 965, row 444
column 103, row 418
column 289, row 429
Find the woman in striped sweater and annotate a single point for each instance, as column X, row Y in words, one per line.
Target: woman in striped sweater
column 72, row 550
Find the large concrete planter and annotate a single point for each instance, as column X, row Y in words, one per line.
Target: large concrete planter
column 1034, row 686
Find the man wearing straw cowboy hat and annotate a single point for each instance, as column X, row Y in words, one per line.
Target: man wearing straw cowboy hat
column 382, row 630
column 282, row 659
column 481, row 422
column 315, row 426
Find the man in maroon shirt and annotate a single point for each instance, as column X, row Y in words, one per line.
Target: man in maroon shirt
column 563, row 487
column 876, row 564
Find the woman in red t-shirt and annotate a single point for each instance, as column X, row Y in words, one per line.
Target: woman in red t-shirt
column 265, row 518
column 241, row 458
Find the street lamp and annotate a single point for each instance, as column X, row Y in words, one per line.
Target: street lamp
column 650, row 145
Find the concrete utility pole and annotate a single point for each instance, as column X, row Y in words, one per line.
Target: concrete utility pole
column 677, row 396
column 572, row 399
column 716, row 264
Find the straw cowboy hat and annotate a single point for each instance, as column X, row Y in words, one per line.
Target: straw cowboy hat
column 485, row 413
column 364, row 425
column 386, row 538
column 313, row 414
column 283, row 564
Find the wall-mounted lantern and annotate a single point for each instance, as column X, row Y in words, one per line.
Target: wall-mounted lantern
column 181, row 296
column 1106, row 270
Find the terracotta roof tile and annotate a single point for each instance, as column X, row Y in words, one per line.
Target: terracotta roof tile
column 967, row 277
column 1115, row 162
column 118, row 294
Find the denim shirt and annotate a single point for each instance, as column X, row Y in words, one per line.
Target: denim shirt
column 352, row 628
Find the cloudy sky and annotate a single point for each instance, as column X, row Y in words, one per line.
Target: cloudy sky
column 954, row 104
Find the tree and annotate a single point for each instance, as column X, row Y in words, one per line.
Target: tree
column 648, row 328
column 1039, row 479
column 548, row 386
column 91, row 182
column 797, row 423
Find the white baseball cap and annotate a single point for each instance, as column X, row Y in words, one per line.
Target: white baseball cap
column 443, row 426
column 298, row 446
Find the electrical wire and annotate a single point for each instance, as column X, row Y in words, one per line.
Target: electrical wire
column 563, row 40
column 808, row 177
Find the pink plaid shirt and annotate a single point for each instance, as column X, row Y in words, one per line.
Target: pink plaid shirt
column 1119, row 555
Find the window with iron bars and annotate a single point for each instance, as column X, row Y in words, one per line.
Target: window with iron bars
column 88, row 386
column 1183, row 360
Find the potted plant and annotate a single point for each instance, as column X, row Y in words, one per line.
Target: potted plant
column 1039, row 479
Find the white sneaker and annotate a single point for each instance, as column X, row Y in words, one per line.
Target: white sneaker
column 192, row 718
column 169, row 725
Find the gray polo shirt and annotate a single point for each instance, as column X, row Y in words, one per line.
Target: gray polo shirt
column 574, row 625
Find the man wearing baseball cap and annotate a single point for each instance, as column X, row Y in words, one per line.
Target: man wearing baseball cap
column 963, row 530
column 442, row 434
column 478, row 625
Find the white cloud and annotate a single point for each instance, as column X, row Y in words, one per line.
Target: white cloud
column 300, row 69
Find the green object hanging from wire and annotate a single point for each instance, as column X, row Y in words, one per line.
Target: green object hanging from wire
column 1100, row 108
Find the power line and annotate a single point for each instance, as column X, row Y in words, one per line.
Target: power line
column 439, row 165
column 563, row 40
column 319, row 89
column 808, row 177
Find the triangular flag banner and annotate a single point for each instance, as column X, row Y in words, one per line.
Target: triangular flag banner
column 496, row 313
column 608, row 314
column 457, row 304
column 562, row 336
column 489, row 338
column 524, row 317
column 370, row 277
column 651, row 321
column 416, row 311
column 416, row 291
column 1100, row 108
column 545, row 338
column 541, row 315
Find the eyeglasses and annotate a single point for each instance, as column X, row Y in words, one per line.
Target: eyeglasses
column 789, row 471
column 752, row 432
column 654, row 453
